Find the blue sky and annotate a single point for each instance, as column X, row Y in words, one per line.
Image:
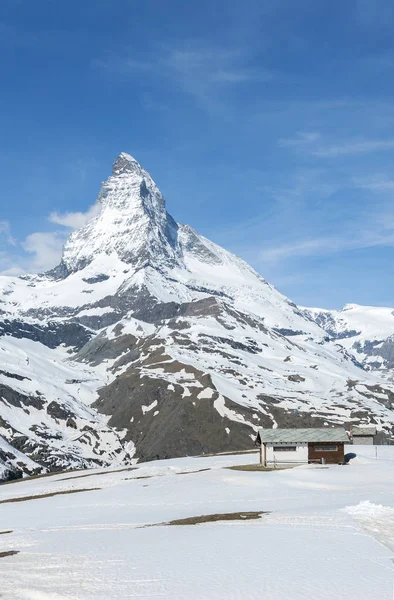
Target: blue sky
column 268, row 126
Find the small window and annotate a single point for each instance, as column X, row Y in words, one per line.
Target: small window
column 285, row 448
column 325, row 448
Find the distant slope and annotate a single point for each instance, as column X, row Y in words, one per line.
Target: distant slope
column 366, row 331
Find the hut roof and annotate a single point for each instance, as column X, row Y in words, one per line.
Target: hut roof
column 321, row 434
column 363, row 431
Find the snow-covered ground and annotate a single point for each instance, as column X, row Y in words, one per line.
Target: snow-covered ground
column 328, row 533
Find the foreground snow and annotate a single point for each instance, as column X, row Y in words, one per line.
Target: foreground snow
column 329, row 533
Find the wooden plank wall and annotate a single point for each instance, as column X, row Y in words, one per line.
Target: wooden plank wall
column 332, row 457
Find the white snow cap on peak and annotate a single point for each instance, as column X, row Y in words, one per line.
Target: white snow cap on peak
column 127, row 156
column 132, row 223
column 125, row 163
column 350, row 306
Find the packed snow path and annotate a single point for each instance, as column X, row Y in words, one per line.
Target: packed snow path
column 329, row 532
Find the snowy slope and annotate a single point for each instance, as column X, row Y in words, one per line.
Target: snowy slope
column 369, row 322
column 45, row 413
column 323, row 532
column 366, row 331
column 14, row 464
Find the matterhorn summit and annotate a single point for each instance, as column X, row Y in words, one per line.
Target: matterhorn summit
column 132, row 223
column 151, row 341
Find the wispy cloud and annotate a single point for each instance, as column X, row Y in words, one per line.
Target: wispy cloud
column 45, row 250
column 199, row 70
column 371, row 225
column 353, row 147
column 302, row 140
column 212, row 66
column 379, row 183
column 5, row 232
column 315, row 144
column 40, row 251
column 377, row 235
column 74, row 220
column 305, row 247
column 312, row 216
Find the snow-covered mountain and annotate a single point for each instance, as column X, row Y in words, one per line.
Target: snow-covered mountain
column 365, row 331
column 150, row 339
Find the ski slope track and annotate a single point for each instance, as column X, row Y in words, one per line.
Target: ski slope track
column 150, row 341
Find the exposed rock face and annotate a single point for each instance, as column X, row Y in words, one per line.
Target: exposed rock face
column 13, row 463
column 74, row 335
column 191, row 426
column 148, row 340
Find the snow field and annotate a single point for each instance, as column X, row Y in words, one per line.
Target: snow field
column 326, row 533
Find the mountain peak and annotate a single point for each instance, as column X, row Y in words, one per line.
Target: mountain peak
column 350, row 307
column 133, row 222
column 125, row 163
